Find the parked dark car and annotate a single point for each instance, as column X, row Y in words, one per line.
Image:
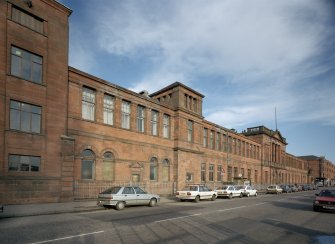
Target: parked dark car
column 324, row 200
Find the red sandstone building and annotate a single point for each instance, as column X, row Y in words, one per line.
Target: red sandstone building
column 65, row 134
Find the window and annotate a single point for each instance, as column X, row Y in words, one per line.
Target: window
column 229, row 173
column 166, row 126
column 153, row 168
column 203, row 172
column 190, row 131
column 24, row 163
column 205, row 137
column 125, row 115
column 211, row 172
column 238, row 147
column 26, row 65
column 166, row 170
column 249, row 174
column 224, row 142
column 219, row 173
column 242, row 172
column 87, row 164
column 235, row 172
column 234, row 145
column 108, row 166
column 27, row 19
column 138, row 190
column 211, row 140
column 189, row 177
column 108, row 109
column 140, row 118
column 128, row 190
column 154, row 123
column 217, row 143
column 25, row 117
column 230, row 146
column 195, row 107
column 88, row 104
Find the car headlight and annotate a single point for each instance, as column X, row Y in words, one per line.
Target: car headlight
column 316, row 202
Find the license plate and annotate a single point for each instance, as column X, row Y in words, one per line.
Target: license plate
column 328, row 207
column 183, row 194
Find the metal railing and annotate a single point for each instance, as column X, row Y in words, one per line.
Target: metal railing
column 90, row 189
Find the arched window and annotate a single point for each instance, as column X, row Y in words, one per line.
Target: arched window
column 108, row 166
column 166, row 170
column 153, row 168
column 87, row 164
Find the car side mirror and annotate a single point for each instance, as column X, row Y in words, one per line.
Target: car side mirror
column 316, row 194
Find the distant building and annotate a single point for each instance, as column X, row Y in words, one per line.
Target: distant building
column 65, row 134
column 320, row 170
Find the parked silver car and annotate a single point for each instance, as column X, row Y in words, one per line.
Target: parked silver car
column 119, row 197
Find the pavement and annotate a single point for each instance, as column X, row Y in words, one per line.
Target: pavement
column 25, row 210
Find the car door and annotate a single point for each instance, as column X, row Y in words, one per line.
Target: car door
column 129, row 196
column 231, row 190
column 141, row 196
column 204, row 192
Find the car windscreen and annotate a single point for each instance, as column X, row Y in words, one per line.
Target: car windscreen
column 113, row 190
column 327, row 193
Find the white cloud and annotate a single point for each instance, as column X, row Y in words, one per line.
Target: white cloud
column 268, row 51
column 229, row 37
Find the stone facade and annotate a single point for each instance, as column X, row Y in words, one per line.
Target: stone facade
column 82, row 134
column 18, row 27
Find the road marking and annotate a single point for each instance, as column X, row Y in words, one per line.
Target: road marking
column 260, row 203
column 177, row 218
column 69, row 237
column 221, row 210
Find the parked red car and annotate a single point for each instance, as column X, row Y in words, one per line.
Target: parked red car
column 325, row 200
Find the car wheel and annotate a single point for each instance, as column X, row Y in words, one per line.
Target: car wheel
column 197, row 199
column 248, row 194
column 230, row 196
column 182, row 200
column 213, row 197
column 256, row 194
column 241, row 195
column 315, row 209
column 153, row 202
column 120, row 205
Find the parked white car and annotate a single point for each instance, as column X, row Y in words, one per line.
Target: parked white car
column 229, row 191
column 248, row 190
column 196, row 193
column 274, row 189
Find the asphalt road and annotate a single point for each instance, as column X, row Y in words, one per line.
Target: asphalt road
column 285, row 218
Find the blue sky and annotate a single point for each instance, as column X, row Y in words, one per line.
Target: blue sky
column 246, row 57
